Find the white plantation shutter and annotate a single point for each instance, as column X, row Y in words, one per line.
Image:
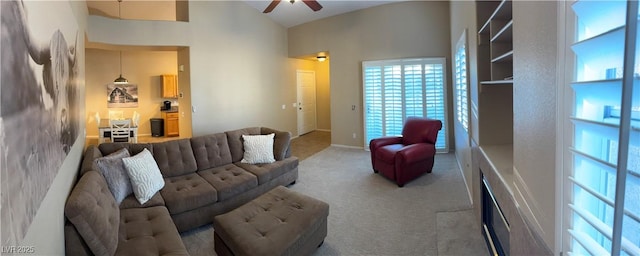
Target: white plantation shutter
column 436, row 106
column 603, row 181
column 414, row 90
column 373, row 95
column 460, row 80
column 392, row 100
column 396, row 89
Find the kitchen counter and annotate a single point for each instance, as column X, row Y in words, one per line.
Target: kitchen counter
column 173, row 109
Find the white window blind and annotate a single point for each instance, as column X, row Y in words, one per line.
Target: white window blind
column 396, row 89
column 604, row 176
column 460, row 79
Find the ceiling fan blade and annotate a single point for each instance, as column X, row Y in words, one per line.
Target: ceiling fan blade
column 272, row 5
column 313, row 4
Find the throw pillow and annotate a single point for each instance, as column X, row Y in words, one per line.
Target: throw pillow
column 115, row 174
column 258, row 149
column 145, row 175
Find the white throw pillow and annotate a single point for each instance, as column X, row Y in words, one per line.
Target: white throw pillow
column 258, row 149
column 146, row 179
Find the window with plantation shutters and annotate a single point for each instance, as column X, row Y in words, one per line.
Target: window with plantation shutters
column 603, row 155
column 396, row 89
column 460, row 81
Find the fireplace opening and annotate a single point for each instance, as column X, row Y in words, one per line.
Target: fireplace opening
column 494, row 223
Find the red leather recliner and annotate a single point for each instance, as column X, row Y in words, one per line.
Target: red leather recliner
column 405, row 158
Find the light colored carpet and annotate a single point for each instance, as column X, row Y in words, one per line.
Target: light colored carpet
column 459, row 234
column 370, row 215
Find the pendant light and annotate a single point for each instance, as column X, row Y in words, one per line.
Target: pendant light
column 120, row 79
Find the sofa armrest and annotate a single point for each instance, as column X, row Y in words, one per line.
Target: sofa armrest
column 384, row 141
column 90, row 154
column 416, row 152
column 73, row 242
column 281, row 143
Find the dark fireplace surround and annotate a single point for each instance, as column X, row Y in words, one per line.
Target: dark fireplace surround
column 495, row 226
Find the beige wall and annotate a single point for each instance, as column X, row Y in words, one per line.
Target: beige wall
column 238, row 67
column 534, row 141
column 158, row 10
column 184, row 87
column 139, row 67
column 237, row 63
column 46, row 232
column 399, row 30
column 323, row 95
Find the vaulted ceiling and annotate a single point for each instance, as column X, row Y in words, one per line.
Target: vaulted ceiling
column 287, row 14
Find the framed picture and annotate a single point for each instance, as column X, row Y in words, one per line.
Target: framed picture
column 122, row 95
column 41, row 112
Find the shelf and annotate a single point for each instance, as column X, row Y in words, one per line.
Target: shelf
column 497, row 82
column 505, row 34
column 508, row 56
column 500, row 158
column 503, row 11
column 495, row 71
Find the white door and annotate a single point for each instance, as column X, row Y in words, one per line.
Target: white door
column 306, row 81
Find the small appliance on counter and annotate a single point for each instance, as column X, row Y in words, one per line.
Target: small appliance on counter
column 166, row 106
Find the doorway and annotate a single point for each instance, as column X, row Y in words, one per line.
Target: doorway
column 306, row 87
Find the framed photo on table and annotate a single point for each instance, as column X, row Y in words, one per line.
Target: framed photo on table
column 122, row 95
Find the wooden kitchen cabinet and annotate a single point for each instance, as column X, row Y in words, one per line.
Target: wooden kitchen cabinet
column 169, row 86
column 171, row 124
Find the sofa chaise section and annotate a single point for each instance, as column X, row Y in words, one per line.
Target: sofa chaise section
column 107, row 230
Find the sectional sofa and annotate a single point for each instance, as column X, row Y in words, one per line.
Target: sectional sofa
column 203, row 177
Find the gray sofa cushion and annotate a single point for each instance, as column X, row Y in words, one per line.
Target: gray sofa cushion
column 281, row 142
column 236, row 144
column 175, row 157
column 148, row 231
column 131, row 202
column 88, row 158
column 134, row 148
column 187, row 192
column 229, row 180
column 73, row 242
column 267, row 172
column 94, row 213
column 211, row 151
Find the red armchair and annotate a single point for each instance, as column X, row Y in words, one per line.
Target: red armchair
column 405, row 158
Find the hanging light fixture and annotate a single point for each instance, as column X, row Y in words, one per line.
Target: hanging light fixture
column 120, row 79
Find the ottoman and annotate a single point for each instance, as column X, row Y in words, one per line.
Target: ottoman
column 279, row 222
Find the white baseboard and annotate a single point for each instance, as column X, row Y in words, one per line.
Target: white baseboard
column 346, row 146
column 466, row 184
column 323, row 130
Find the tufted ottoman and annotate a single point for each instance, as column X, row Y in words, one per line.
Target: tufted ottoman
column 279, row 222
